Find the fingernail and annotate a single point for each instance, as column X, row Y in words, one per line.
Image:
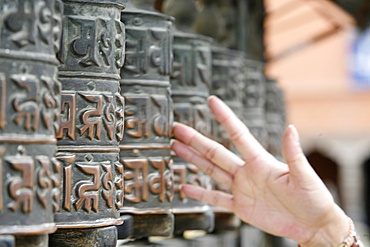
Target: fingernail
column 294, row 132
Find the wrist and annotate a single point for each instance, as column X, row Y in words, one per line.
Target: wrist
column 332, row 231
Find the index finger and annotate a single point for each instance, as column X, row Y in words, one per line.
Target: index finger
column 239, row 134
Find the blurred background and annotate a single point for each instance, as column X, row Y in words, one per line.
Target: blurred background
column 319, row 52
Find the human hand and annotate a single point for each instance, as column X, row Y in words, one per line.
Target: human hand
column 287, row 200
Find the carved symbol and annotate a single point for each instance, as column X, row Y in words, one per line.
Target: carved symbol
column 109, row 116
column 43, row 180
column 105, row 43
column 183, row 68
column 26, row 105
column 92, row 118
column 21, row 187
column 55, row 179
column 161, row 120
column 136, row 112
column 120, row 44
column 179, row 172
column 88, row 191
column 84, row 46
column 57, row 18
column 184, row 114
column 136, row 174
column 2, row 100
column 108, row 187
column 67, row 120
column 157, row 181
column 67, row 161
column 119, row 184
column 203, row 67
column 22, row 23
column 120, row 114
column 136, row 60
column 51, row 103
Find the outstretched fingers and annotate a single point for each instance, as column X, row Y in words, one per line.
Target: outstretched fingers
column 239, row 134
column 213, row 197
column 209, row 149
column 186, row 153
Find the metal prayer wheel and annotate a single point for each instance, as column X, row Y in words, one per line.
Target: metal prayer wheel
column 145, row 149
column 275, row 117
column 91, row 122
column 190, row 82
column 254, row 100
column 29, row 110
column 227, row 84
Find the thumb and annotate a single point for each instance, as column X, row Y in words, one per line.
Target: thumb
column 294, row 156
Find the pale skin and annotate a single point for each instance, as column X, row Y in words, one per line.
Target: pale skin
column 283, row 199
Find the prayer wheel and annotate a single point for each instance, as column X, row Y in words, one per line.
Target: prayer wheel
column 190, row 80
column 254, row 100
column 29, row 110
column 91, row 124
column 145, row 150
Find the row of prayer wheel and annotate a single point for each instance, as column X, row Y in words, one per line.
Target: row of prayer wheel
column 89, row 90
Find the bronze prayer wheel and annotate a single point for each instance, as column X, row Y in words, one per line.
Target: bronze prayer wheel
column 145, row 149
column 254, row 100
column 92, row 119
column 29, row 112
column 190, row 82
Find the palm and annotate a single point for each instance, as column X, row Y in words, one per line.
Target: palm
column 278, row 198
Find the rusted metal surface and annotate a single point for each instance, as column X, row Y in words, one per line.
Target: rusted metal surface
column 145, row 148
column 29, row 110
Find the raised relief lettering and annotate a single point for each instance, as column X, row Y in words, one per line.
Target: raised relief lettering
column 92, row 117
column 109, row 116
column 67, row 120
column 51, row 102
column 184, row 114
column 161, row 120
column 105, row 43
column 2, row 100
column 168, row 177
column 136, row 185
column 157, row 180
column 136, row 61
column 84, row 45
column 137, row 111
column 107, row 182
column 67, row 160
column 43, row 180
column 120, row 114
column 88, row 190
column 203, row 67
column 21, row 22
column 57, row 18
column 183, row 70
column 119, row 183
column 179, row 177
column 20, row 187
column 120, row 44
column 55, row 183
column 26, row 104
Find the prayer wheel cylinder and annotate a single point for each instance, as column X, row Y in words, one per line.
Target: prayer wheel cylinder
column 29, row 111
column 91, row 122
column 190, row 82
column 145, row 150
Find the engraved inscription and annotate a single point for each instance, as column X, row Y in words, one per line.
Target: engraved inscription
column 30, row 22
column 136, row 185
column 196, row 116
column 67, row 161
column 147, row 116
column 55, row 183
column 103, row 114
column 179, row 177
column 107, row 182
column 147, row 49
column 67, row 120
column 148, row 177
column 88, row 190
column 43, row 180
column 187, row 174
column 119, row 183
column 21, row 186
